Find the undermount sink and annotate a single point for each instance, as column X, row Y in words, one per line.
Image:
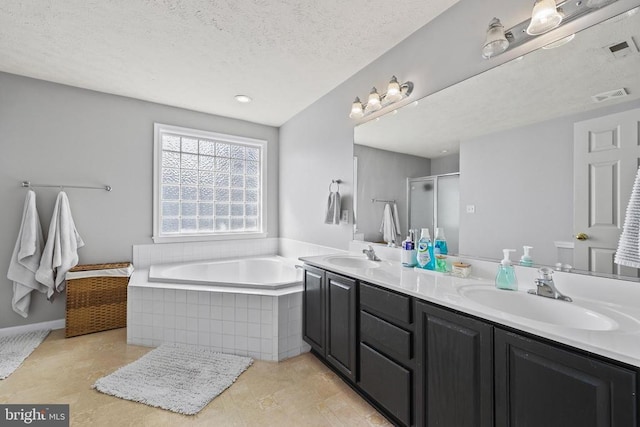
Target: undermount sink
column 540, row 309
column 352, row 262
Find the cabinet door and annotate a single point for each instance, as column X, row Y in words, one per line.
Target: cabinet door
column 313, row 306
column 341, row 323
column 454, row 375
column 538, row 384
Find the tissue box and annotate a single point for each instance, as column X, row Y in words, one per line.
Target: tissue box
column 460, row 269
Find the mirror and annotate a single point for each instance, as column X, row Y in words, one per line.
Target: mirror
column 513, row 133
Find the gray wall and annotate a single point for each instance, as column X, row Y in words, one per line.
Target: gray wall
column 57, row 134
column 445, row 164
column 521, row 184
column 392, row 185
column 316, row 144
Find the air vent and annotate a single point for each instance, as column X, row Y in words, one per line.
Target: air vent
column 612, row 94
column 623, row 48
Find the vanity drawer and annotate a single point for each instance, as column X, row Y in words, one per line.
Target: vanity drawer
column 385, row 337
column 391, row 306
column 388, row 383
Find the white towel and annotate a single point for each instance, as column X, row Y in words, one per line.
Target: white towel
column 61, row 250
column 26, row 257
column 396, row 218
column 333, row 208
column 628, row 252
column 388, row 228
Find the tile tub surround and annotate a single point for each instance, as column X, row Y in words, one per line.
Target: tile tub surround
column 265, row 327
column 165, row 253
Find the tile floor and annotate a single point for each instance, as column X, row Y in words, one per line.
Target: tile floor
column 300, row 391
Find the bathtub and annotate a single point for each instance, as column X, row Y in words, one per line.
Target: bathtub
column 268, row 273
column 246, row 306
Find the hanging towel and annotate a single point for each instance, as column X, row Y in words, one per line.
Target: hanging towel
column 388, row 227
column 333, row 208
column 61, row 250
column 396, row 218
column 628, row 252
column 26, row 257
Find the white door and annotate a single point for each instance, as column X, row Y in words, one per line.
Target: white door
column 606, row 160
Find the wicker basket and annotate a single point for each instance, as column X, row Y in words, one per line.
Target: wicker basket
column 96, row 304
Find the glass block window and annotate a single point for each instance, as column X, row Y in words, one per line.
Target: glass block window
column 207, row 183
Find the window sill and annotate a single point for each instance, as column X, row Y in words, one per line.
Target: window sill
column 207, row 238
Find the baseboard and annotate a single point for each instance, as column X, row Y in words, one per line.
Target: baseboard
column 14, row 330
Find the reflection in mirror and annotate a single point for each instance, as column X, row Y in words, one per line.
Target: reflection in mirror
column 547, row 144
column 433, row 203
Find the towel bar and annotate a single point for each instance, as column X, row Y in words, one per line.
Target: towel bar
column 29, row 185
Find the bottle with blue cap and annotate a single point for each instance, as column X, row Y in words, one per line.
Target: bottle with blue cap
column 426, row 257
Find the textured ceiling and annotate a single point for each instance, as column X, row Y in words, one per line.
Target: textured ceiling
column 198, row 54
column 544, row 84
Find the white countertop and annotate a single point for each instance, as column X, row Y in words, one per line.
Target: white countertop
column 615, row 299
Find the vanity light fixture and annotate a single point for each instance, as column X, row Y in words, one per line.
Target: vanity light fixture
column 375, row 102
column 545, row 17
column 496, row 41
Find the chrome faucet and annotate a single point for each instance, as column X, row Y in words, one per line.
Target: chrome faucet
column 371, row 254
column 546, row 288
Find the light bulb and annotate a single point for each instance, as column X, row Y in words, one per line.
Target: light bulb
column 393, row 91
column 356, row 109
column 545, row 17
column 373, row 103
column 496, row 42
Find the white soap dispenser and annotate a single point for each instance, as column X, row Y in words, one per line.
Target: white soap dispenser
column 526, row 259
column 506, row 277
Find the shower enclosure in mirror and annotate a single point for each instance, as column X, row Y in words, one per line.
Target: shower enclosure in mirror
column 433, row 202
column 516, row 135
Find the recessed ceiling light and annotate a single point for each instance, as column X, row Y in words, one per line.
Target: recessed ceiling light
column 444, row 151
column 243, row 99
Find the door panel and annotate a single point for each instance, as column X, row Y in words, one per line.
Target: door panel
column 341, row 324
column 539, row 384
column 313, row 304
column 606, row 158
column 454, row 380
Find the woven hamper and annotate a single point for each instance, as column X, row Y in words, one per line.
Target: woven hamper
column 98, row 303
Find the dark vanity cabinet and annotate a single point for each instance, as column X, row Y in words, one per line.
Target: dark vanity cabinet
column 313, row 306
column 426, row 365
column 386, row 351
column 454, row 380
column 341, row 324
column 539, row 384
column 329, row 325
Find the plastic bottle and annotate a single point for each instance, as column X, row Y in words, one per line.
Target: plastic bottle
column 506, row 277
column 426, row 257
column 526, row 259
column 408, row 252
column 440, row 242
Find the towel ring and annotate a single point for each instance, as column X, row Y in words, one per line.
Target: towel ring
column 337, row 182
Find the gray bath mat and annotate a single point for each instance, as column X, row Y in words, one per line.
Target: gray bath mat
column 15, row 348
column 177, row 378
